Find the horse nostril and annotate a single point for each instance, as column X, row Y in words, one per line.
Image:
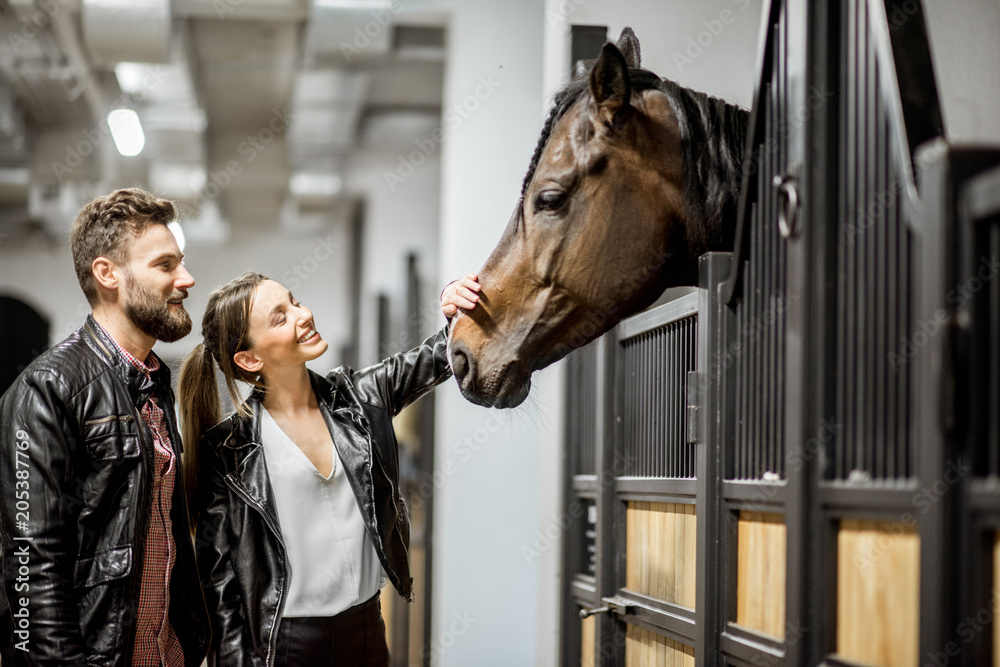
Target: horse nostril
column 461, row 362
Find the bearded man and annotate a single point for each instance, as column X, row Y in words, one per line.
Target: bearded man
column 97, row 561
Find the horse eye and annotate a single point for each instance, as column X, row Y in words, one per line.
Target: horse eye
column 549, row 200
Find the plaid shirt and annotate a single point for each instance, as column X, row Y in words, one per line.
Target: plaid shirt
column 156, row 643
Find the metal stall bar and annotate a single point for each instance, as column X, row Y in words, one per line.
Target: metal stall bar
column 711, row 401
column 609, row 634
column 579, row 492
column 808, row 47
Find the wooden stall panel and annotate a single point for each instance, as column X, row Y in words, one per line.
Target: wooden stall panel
column 660, row 558
column 760, row 573
column 878, row 593
column 648, row 649
column 588, row 627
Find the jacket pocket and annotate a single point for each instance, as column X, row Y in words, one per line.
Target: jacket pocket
column 111, row 438
column 104, row 566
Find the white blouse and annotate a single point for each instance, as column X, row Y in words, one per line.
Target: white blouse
column 333, row 561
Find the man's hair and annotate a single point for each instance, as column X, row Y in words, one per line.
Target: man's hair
column 106, row 226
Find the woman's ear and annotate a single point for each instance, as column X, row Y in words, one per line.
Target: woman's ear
column 248, row 361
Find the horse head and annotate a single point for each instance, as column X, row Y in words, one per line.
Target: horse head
column 602, row 227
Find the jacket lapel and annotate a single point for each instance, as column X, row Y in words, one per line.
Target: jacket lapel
column 353, row 447
column 249, row 472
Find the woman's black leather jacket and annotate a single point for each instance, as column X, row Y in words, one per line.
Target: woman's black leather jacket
column 241, row 555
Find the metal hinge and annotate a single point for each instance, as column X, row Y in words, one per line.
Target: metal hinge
column 615, row 605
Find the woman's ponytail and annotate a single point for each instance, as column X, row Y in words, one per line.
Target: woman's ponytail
column 200, row 410
column 225, row 331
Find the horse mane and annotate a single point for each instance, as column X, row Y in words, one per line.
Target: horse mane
column 713, row 137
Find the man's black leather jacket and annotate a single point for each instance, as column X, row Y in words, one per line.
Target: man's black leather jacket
column 241, row 555
column 75, row 470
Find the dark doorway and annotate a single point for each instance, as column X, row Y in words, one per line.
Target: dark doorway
column 24, row 334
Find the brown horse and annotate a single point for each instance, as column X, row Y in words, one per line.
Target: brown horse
column 633, row 178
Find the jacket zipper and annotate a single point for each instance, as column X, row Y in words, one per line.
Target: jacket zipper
column 274, row 529
column 371, row 462
column 105, row 420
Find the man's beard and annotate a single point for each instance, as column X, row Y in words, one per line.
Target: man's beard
column 151, row 313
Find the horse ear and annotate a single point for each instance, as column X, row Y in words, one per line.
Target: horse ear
column 628, row 44
column 610, row 85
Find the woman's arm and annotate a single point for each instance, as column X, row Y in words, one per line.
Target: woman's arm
column 405, row 377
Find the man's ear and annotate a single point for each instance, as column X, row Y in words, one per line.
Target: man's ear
column 248, row 361
column 105, row 273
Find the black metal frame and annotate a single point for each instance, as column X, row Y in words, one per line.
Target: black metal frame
column 957, row 572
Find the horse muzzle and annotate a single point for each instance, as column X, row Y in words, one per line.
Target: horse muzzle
column 499, row 386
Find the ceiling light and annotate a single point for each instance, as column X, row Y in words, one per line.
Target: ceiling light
column 127, row 132
column 130, row 76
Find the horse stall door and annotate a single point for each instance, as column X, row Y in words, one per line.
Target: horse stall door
column 818, row 456
column 745, row 375
column 871, row 537
column 655, row 557
column 859, row 545
column 632, row 550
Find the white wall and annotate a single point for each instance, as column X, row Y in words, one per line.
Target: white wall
column 486, row 593
column 401, row 217
column 963, row 35
column 709, row 45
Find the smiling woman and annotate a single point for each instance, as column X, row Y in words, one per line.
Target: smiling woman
column 282, row 578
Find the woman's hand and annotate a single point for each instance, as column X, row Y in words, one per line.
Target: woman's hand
column 462, row 293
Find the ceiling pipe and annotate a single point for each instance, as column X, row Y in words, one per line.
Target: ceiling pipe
column 127, row 30
column 242, row 10
column 65, row 34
